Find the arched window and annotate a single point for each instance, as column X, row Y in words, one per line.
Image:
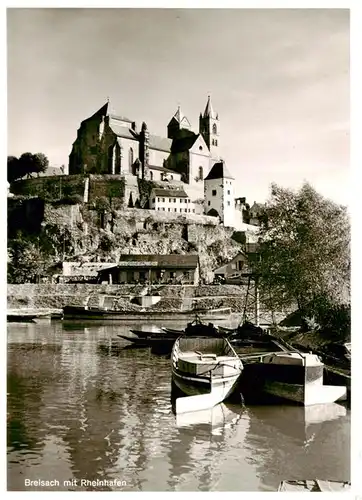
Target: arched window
column 151, row 175
column 201, row 173
column 130, row 157
column 214, row 129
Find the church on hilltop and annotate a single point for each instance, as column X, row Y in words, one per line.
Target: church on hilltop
column 186, row 166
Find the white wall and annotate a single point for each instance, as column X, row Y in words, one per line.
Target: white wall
column 222, row 201
column 229, row 203
column 126, row 144
column 156, row 157
column 157, row 174
column 174, row 205
column 214, row 200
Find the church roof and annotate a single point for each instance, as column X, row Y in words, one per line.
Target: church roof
column 105, row 110
column 209, row 110
column 121, row 118
column 184, row 143
column 124, row 132
column 180, row 118
column 159, row 143
column 219, row 171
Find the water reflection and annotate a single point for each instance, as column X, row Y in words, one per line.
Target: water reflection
column 80, row 406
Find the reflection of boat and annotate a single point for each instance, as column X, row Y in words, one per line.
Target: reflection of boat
column 315, row 485
column 298, row 377
column 217, row 416
column 205, row 369
column 299, row 422
column 85, row 312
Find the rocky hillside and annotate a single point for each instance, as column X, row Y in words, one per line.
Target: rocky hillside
column 49, row 233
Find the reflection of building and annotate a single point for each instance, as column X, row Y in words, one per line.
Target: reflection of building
column 153, row 269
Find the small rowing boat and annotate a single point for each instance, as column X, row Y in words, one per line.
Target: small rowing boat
column 314, row 485
column 206, row 370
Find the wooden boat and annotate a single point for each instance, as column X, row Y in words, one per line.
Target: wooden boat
column 142, row 334
column 197, row 328
column 314, row 485
column 298, row 377
column 97, row 313
column 163, row 343
column 24, row 316
column 206, row 370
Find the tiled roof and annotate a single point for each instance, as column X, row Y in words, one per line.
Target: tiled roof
column 159, row 143
column 121, row 118
column 125, row 132
column 170, row 193
column 189, row 261
column 219, row 171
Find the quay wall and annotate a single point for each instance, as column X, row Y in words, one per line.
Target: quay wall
column 173, row 297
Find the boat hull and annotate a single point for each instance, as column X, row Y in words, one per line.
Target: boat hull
column 83, row 313
column 298, row 377
column 192, row 386
column 204, row 378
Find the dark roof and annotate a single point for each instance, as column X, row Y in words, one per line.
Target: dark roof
column 103, row 111
column 183, row 144
column 170, row 193
column 159, row 143
column 219, row 171
column 163, row 261
column 179, row 117
column 209, row 111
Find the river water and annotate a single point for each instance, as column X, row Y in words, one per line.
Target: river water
column 82, row 407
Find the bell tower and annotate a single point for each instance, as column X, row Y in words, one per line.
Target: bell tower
column 209, row 128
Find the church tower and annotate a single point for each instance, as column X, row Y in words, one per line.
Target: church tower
column 209, row 128
column 179, row 126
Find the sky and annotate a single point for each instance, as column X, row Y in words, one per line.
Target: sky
column 279, row 79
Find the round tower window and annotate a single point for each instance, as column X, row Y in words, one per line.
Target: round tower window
column 200, row 148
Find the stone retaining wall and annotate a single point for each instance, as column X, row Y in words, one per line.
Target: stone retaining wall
column 173, row 297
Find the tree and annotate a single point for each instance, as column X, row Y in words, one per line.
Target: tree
column 304, row 251
column 26, row 261
column 27, row 164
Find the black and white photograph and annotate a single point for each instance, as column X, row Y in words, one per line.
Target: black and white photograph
column 178, row 250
